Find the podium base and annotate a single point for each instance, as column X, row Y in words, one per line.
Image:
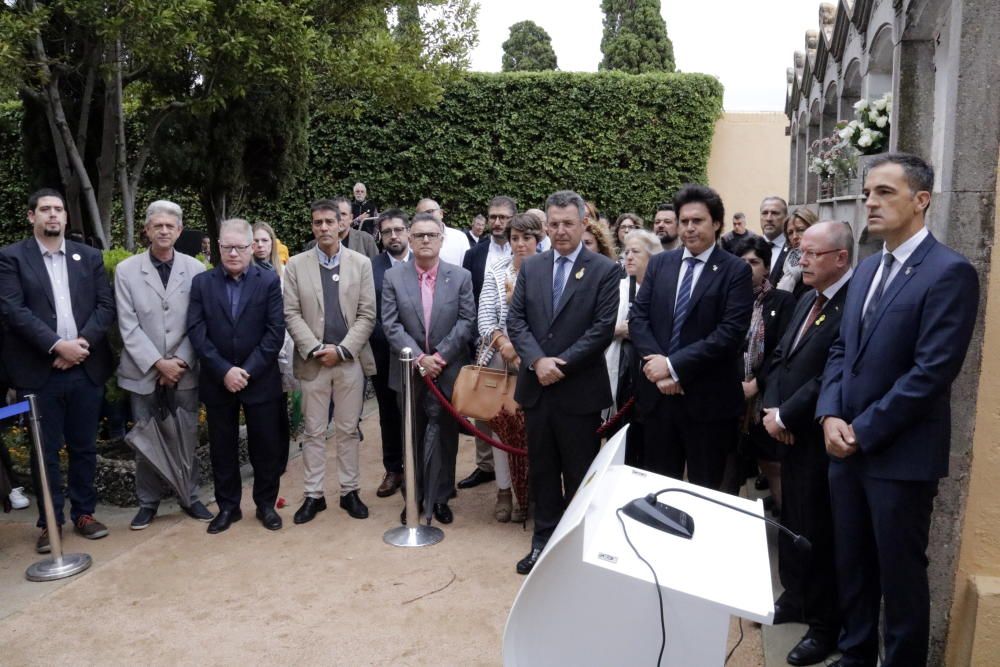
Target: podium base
column 51, row 569
column 415, row 536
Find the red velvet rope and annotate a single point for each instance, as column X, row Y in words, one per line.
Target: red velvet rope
column 469, row 428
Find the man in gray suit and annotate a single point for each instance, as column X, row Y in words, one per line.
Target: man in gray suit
column 427, row 305
column 152, row 292
column 355, row 239
column 561, row 319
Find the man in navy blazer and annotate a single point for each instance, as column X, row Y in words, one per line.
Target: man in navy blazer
column 57, row 307
column 886, row 413
column 236, row 325
column 393, row 226
column 688, row 323
column 561, row 319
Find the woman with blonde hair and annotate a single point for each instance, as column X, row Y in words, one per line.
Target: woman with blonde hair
column 266, row 253
column 597, row 238
column 795, row 227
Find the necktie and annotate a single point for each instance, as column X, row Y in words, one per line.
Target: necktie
column 427, row 300
column 866, row 320
column 559, row 281
column 681, row 307
column 814, row 312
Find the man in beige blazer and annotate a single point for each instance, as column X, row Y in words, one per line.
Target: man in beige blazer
column 329, row 299
column 152, row 291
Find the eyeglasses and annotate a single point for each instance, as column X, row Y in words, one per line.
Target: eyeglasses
column 812, row 254
column 498, row 217
column 427, row 236
column 394, row 231
column 230, row 248
column 627, row 227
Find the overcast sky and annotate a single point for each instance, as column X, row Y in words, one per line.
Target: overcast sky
column 746, row 44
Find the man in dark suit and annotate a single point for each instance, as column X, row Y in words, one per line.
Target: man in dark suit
column 57, row 307
column 886, row 413
column 561, row 319
column 773, row 214
column 394, row 227
column 475, row 232
column 237, row 326
column 791, row 387
column 478, row 261
column 688, row 324
column 427, row 306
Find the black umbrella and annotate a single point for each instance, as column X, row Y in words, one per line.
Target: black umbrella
column 168, row 424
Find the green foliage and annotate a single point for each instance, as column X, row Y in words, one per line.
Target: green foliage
column 635, row 37
column 528, row 49
column 14, row 187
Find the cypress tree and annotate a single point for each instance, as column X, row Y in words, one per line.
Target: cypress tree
column 635, row 37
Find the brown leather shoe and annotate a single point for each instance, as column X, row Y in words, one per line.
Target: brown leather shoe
column 390, row 484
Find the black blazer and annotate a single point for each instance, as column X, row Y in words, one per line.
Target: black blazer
column 380, row 264
column 251, row 341
column 709, row 362
column 794, row 376
column 778, row 307
column 779, row 266
column 475, row 263
column 27, row 306
column 578, row 332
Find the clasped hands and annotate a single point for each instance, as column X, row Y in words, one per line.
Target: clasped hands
column 657, row 371
column 839, row 436
column 776, row 430
column 432, row 365
column 548, row 371
column 327, row 355
column 236, row 379
column 171, row 371
column 69, row 353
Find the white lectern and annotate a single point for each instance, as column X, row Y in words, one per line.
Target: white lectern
column 590, row 601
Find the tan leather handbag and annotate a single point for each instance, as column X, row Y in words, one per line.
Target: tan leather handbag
column 480, row 391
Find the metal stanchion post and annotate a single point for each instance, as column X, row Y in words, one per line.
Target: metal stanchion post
column 60, row 565
column 413, row 534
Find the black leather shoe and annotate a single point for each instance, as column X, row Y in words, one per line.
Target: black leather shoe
column 786, row 614
column 269, row 518
column 477, row 477
column 224, row 519
column 443, row 513
column 526, row 564
column 351, row 503
column 307, row 512
column 809, row 651
column 143, row 518
column 197, row 510
column 420, row 513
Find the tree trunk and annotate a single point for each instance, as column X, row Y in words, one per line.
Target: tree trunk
column 128, row 192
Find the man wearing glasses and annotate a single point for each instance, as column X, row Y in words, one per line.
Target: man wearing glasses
column 454, row 243
column 236, row 326
column 427, row 306
column 478, row 261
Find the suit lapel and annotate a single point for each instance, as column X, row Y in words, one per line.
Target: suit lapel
column 221, row 293
column 668, row 298
column 412, row 283
column 33, row 256
column 906, row 272
column 707, row 277
column 76, row 276
column 775, row 275
column 152, row 277
column 314, row 280
column 545, row 284
column 575, row 277
column 249, row 285
column 442, row 290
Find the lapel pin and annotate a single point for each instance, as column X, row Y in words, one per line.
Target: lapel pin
column 336, row 277
column 909, row 269
column 579, row 274
column 772, row 313
column 76, row 257
column 820, row 319
column 715, row 267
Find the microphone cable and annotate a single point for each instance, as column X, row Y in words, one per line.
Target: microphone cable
column 656, row 580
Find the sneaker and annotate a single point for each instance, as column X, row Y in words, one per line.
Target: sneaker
column 197, row 510
column 42, row 545
column 142, row 519
column 91, row 528
column 17, row 498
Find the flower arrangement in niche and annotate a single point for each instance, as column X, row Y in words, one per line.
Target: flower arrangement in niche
column 832, row 157
column 869, row 131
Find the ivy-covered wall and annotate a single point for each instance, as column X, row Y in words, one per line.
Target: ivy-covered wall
column 627, row 142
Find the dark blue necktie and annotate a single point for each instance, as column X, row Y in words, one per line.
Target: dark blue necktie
column 559, row 281
column 681, row 307
column 868, row 317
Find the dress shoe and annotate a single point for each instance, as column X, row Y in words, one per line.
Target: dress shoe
column 526, row 564
column 224, row 519
column 268, row 517
column 198, row 511
column 443, row 513
column 809, row 651
column 390, row 484
column 351, row 503
column 143, row 518
column 402, row 513
column 478, row 476
column 90, row 527
column 310, row 506
column 786, row 614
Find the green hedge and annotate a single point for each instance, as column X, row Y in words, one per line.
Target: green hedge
column 624, row 141
column 14, row 186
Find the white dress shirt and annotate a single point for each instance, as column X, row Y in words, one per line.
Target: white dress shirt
column 395, row 262
column 900, row 255
column 496, row 253
column 55, row 266
column 777, row 245
column 569, row 268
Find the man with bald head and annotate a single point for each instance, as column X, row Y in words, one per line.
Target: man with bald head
column 455, row 242
column 791, row 388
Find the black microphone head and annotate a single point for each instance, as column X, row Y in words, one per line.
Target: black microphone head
column 802, row 544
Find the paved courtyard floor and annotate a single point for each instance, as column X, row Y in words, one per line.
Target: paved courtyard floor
column 325, row 593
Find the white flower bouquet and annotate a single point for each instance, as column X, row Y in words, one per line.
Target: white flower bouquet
column 869, row 131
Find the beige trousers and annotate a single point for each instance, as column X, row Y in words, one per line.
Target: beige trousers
column 345, row 383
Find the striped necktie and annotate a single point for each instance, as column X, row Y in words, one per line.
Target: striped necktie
column 681, row 307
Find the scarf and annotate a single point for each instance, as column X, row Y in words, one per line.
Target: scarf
column 753, row 357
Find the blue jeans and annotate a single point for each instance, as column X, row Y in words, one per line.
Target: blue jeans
column 69, row 406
